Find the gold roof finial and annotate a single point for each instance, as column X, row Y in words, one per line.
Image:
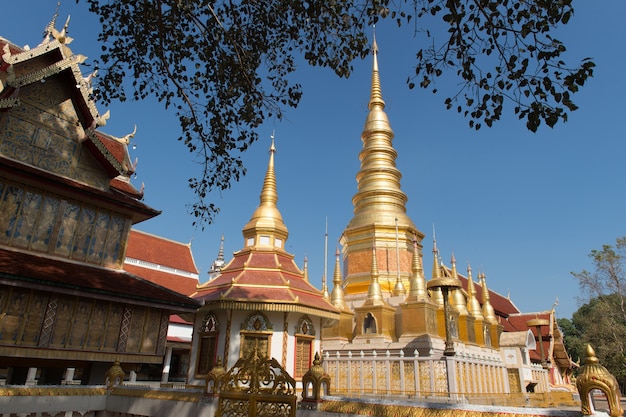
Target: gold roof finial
column 488, row 311
column 266, row 219
column 417, row 283
column 306, row 269
column 376, row 94
column 47, row 33
column 473, row 305
column 458, row 299
column 337, row 294
column 436, row 294
column 374, row 293
column 436, row 264
column 324, row 285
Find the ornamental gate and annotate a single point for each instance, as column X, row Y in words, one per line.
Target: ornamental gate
column 257, row 387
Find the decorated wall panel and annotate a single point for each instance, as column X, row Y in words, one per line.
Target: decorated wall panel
column 45, row 131
column 44, row 222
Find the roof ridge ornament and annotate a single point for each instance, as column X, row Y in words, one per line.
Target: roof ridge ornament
column 47, row 33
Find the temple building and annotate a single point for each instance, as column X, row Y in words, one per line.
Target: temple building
column 68, row 309
column 398, row 331
column 260, row 302
column 81, row 289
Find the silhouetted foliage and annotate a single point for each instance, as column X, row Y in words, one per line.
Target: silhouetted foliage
column 225, row 67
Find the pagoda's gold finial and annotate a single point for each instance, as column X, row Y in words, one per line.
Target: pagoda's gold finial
column 337, row 295
column 324, row 284
column 473, row 305
column 266, row 219
column 458, row 299
column 488, row 311
column 306, row 269
column 436, row 264
column 417, row 284
column 398, row 289
column 376, row 94
column 374, row 293
column 436, row 294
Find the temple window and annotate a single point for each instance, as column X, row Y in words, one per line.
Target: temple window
column 208, row 333
column 487, row 333
column 369, row 324
column 256, row 333
column 305, row 336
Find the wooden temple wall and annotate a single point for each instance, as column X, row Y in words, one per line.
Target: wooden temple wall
column 38, row 319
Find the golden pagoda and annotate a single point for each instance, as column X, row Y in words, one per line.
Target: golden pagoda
column 380, row 224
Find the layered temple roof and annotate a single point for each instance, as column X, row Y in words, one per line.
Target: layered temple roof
column 21, row 67
column 38, row 271
column 262, row 275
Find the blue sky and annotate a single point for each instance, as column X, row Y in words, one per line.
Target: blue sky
column 524, row 208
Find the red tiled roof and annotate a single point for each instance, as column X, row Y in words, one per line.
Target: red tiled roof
column 118, row 150
column 518, row 321
column 182, row 285
column 175, row 318
column 175, row 339
column 269, row 277
column 503, row 306
column 64, row 276
column 160, row 251
column 126, row 187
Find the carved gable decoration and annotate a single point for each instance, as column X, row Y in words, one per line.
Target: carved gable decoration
column 49, row 117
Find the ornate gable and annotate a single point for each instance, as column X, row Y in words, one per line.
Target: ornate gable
column 49, row 118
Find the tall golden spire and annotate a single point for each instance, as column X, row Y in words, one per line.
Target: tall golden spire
column 488, row 311
column 337, row 295
column 378, row 198
column 374, row 293
column 417, row 284
column 266, row 227
column 473, row 306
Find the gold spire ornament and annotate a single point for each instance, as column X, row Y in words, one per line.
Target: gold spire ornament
column 417, row 284
column 266, row 227
column 488, row 312
column 306, row 269
column 458, row 299
column 473, row 305
column 374, row 293
column 436, row 295
column 337, row 297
